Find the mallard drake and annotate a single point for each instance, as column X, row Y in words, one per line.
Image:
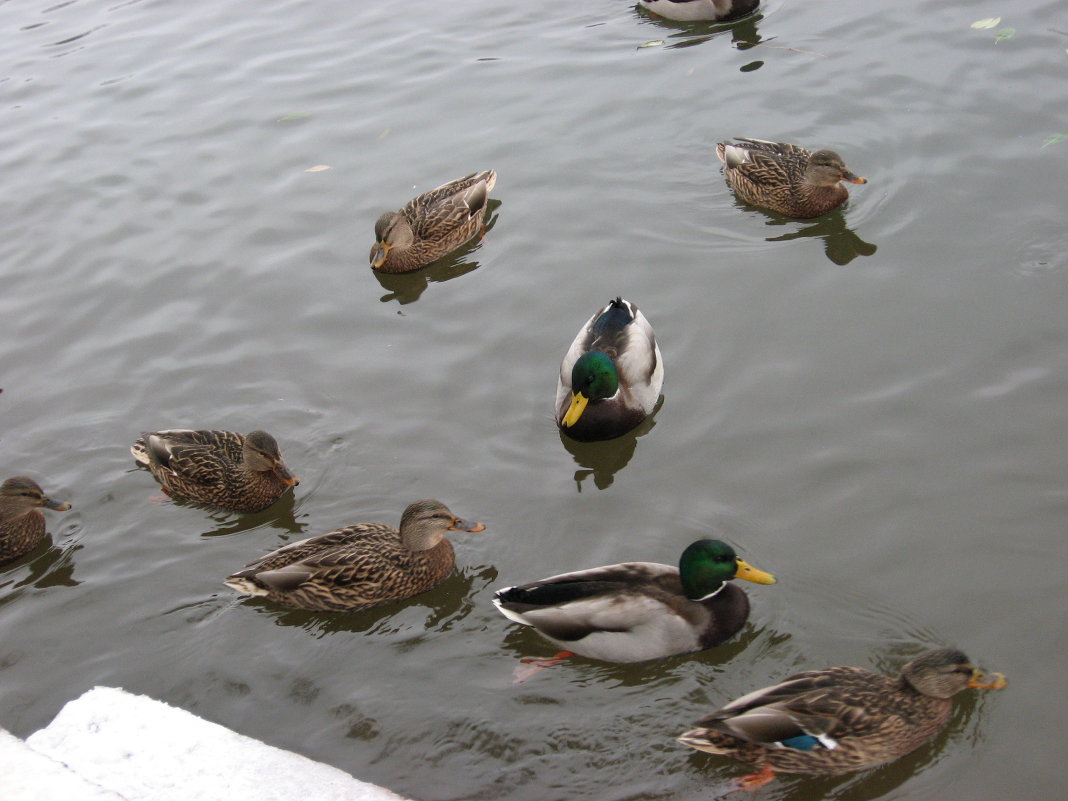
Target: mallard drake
column 22, row 526
column 238, row 472
column 840, row 719
column 358, row 566
column 433, row 224
column 636, row 611
column 693, row 10
column 611, row 377
column 785, row 178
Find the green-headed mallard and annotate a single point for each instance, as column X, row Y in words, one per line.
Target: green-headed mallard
column 358, row 566
column 639, row 610
column 239, row 472
column 22, row 526
column 433, row 224
column 692, row 10
column 785, row 178
column 611, row 377
column 840, row 719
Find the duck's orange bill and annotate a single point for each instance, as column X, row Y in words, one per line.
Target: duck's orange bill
column 980, row 682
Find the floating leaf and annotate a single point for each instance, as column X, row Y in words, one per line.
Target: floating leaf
column 384, row 134
column 318, row 168
column 989, row 22
column 1004, row 33
column 296, row 115
column 653, row 43
column 1052, row 140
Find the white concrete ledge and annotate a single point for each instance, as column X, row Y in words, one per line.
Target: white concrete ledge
column 109, row 745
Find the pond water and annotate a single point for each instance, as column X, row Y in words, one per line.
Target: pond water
column 870, row 405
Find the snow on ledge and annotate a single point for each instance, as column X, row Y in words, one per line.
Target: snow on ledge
column 145, row 750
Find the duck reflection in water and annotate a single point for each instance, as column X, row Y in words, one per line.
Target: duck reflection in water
column 405, row 288
column 604, row 459
column 840, row 242
column 744, row 32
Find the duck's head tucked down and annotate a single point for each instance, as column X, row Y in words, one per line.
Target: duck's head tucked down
column 261, row 454
column 392, row 230
column 611, row 376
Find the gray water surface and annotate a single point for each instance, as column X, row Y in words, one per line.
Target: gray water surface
column 870, row 405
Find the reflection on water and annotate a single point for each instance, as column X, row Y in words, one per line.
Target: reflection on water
column 46, row 566
column 605, row 458
column 744, row 33
column 407, row 288
column 840, row 243
column 281, row 514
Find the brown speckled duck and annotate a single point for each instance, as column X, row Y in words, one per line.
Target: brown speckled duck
column 840, row 719
column 358, row 566
column 785, row 178
column 22, row 526
column 238, row 472
column 432, row 224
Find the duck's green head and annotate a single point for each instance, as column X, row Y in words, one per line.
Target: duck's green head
column 593, row 378
column 707, row 564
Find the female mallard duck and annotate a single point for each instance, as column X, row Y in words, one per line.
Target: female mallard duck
column 840, row 719
column 242, row 473
column 358, row 566
column 22, row 526
column 433, row 224
column 785, row 178
column 611, row 377
column 692, row 10
column 638, row 610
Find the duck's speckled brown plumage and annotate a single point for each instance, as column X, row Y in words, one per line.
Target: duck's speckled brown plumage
column 847, row 718
column 22, row 526
column 358, row 566
column 432, row 224
column 785, row 178
column 238, row 472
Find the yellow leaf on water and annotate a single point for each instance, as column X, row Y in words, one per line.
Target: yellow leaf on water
column 318, row 168
column 653, row 43
column 989, row 22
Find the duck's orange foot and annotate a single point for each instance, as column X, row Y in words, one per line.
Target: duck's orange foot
column 755, row 781
column 521, row 674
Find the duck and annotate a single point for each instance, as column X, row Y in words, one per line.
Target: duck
column 236, row 472
column 693, row 10
column 785, row 178
column 22, row 526
column 433, row 224
column 637, row 611
column 839, row 719
column 358, row 566
column 611, row 377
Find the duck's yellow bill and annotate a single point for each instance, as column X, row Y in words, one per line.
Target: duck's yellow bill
column 575, row 410
column 749, row 573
